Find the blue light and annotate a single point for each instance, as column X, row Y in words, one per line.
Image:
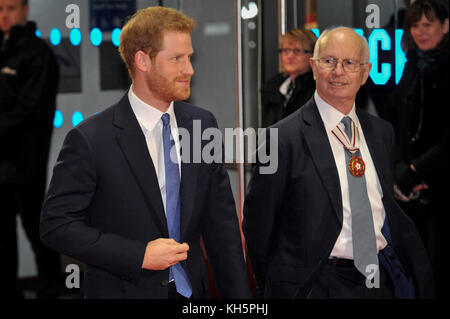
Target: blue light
column 360, row 32
column 400, row 58
column 116, row 36
column 316, row 32
column 58, row 120
column 38, row 33
column 55, row 37
column 379, row 35
column 77, row 117
column 96, row 37
column 75, row 37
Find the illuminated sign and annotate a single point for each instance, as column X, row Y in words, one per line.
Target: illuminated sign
column 381, row 71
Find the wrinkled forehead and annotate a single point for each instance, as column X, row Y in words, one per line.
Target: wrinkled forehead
column 342, row 45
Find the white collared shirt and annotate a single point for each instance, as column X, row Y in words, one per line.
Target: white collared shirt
column 285, row 85
column 149, row 119
column 331, row 117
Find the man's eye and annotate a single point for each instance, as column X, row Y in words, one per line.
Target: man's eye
column 349, row 62
column 329, row 61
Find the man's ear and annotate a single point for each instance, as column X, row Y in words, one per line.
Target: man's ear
column 141, row 61
column 312, row 63
column 367, row 67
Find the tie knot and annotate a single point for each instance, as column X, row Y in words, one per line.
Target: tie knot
column 347, row 121
column 166, row 119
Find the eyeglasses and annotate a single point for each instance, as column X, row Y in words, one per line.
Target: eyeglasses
column 348, row 65
column 295, row 51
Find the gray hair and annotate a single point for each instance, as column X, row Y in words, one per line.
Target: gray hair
column 324, row 34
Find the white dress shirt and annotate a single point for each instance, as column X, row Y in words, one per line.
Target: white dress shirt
column 285, row 85
column 149, row 119
column 343, row 248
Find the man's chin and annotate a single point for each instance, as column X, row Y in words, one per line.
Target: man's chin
column 183, row 96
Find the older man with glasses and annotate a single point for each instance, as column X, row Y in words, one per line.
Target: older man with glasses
column 325, row 224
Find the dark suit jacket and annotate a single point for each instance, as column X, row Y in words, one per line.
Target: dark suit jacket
column 104, row 205
column 293, row 218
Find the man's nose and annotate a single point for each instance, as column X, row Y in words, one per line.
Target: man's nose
column 188, row 69
column 339, row 69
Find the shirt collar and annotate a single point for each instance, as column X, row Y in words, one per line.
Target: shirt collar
column 147, row 115
column 284, row 86
column 330, row 115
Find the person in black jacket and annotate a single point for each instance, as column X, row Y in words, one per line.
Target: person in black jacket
column 28, row 87
column 419, row 112
column 290, row 89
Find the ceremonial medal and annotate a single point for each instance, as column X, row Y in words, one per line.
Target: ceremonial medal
column 356, row 166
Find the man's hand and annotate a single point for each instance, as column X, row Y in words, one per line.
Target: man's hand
column 162, row 253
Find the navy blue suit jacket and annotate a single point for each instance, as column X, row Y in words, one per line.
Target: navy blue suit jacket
column 293, row 218
column 104, row 205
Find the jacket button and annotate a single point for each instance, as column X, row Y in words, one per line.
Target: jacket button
column 164, row 283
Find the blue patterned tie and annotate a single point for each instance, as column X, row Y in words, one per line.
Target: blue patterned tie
column 173, row 206
column 363, row 233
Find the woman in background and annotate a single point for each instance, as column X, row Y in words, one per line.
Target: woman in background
column 289, row 90
column 420, row 114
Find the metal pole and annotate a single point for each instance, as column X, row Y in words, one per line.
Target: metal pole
column 281, row 25
column 259, row 64
column 239, row 117
column 282, row 16
column 295, row 12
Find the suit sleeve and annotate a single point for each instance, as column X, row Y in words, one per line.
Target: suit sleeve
column 65, row 223
column 222, row 237
column 262, row 205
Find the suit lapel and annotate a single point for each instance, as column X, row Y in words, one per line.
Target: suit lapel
column 377, row 150
column 132, row 142
column 322, row 155
column 188, row 170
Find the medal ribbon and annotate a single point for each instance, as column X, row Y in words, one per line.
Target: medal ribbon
column 356, row 164
column 353, row 145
